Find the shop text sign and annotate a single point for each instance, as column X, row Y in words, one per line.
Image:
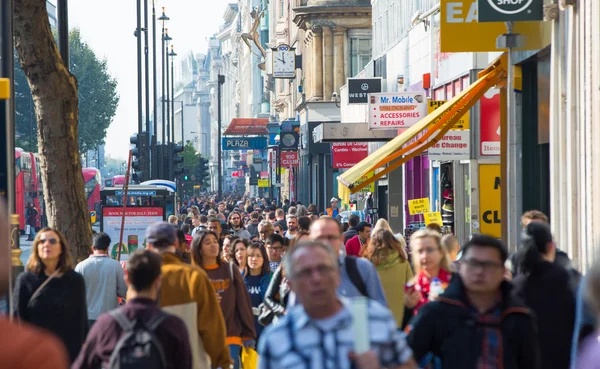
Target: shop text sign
column 360, row 88
column 510, row 10
column 393, row 110
column 289, row 159
column 348, row 154
column 418, row 206
column 263, row 183
column 454, row 145
column 464, row 123
column 371, row 186
column 433, row 218
column 248, row 143
column 490, row 199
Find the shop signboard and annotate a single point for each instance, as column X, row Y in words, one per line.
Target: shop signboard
column 490, row 199
column 244, row 143
column 371, row 186
column 263, row 183
column 360, row 88
column 458, row 25
column 433, row 218
column 290, row 159
column 464, row 123
column 394, row 110
column 418, row 206
column 136, row 222
column 347, row 154
column 489, row 123
column 454, row 145
column 510, row 10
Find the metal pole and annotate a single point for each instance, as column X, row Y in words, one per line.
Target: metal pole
column 278, row 174
column 162, row 98
column 172, row 97
column 182, row 105
column 147, row 165
column 139, row 67
column 125, row 190
column 513, row 163
column 155, row 94
column 168, row 98
column 62, row 9
column 220, row 81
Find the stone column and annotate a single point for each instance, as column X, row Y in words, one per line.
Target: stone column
column 328, row 63
column 317, row 74
column 339, row 74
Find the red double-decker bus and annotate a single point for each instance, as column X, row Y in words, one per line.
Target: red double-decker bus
column 92, row 180
column 28, row 186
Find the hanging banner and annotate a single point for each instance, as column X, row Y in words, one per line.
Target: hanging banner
column 347, row 154
column 290, row 159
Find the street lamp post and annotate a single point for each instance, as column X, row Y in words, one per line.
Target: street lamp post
column 147, row 163
column 220, row 81
column 173, row 54
column 63, row 30
column 153, row 156
column 167, row 97
column 163, row 18
column 138, row 35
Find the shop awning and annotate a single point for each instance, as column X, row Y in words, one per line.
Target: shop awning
column 421, row 136
column 247, row 126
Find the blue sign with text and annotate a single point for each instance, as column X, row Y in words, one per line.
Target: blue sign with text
column 244, row 143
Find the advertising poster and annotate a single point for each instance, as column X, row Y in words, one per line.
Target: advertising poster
column 136, row 222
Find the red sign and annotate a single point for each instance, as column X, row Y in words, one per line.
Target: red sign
column 264, row 174
column 132, row 212
column 489, row 126
column 289, row 159
column 348, row 154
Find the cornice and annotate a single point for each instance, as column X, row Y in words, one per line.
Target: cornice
column 306, row 14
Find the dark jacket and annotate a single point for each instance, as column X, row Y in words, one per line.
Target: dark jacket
column 351, row 232
column 60, row 307
column 106, row 333
column 449, row 330
column 277, row 294
column 547, row 292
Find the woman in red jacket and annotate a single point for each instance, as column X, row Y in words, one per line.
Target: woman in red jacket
column 231, row 289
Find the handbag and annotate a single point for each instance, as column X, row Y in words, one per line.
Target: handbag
column 266, row 315
column 249, row 358
column 39, row 289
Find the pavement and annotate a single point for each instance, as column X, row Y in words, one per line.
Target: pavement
column 26, row 245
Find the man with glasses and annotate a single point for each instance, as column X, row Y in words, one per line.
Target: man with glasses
column 265, row 229
column 477, row 322
column 274, row 246
column 319, row 333
column 235, row 226
column 358, row 276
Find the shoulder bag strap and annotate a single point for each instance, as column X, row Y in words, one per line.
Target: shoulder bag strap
column 125, row 323
column 156, row 320
column 354, row 275
column 39, row 289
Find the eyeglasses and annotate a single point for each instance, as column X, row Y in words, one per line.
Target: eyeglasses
column 484, row 265
column 52, row 241
column 322, row 269
column 264, row 232
column 274, row 248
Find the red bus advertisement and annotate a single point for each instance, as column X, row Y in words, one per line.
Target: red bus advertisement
column 28, row 188
column 91, row 184
column 118, row 180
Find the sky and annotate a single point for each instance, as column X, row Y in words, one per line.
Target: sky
column 107, row 26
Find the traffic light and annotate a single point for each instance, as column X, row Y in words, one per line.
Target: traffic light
column 202, row 170
column 138, row 156
column 176, row 149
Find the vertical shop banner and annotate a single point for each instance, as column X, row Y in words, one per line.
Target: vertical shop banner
column 290, row 159
column 136, row 222
column 490, row 199
column 347, row 154
column 489, row 126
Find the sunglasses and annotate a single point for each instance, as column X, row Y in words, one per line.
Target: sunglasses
column 53, row 241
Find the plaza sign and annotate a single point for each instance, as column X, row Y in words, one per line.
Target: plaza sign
column 244, row 143
column 510, row 10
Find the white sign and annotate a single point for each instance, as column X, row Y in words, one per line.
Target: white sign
column 453, row 146
column 393, row 110
column 136, row 222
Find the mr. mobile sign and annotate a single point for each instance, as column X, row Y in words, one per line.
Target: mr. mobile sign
column 393, row 110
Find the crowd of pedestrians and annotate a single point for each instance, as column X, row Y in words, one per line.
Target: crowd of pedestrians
column 304, row 289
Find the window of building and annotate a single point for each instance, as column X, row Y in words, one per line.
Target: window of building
column 360, row 54
column 281, row 8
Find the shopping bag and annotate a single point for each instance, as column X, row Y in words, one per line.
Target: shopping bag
column 249, row 358
column 27, row 229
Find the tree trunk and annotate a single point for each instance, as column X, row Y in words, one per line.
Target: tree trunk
column 54, row 92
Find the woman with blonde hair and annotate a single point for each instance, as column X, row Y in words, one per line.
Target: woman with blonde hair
column 390, row 259
column 381, row 224
column 50, row 294
column 431, row 262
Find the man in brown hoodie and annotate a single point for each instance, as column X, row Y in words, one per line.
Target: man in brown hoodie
column 186, row 287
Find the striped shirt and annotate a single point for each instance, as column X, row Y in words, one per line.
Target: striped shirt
column 299, row 342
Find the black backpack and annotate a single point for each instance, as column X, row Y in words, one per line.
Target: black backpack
column 354, row 275
column 138, row 347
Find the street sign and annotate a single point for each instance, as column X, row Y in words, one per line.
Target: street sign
column 510, row 10
column 360, row 88
column 394, row 110
column 244, row 143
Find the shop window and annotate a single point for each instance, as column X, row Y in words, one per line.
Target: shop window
column 360, row 54
column 438, row 94
column 449, row 91
column 457, row 86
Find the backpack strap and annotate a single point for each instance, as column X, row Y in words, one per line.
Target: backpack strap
column 351, row 266
column 118, row 315
column 156, row 320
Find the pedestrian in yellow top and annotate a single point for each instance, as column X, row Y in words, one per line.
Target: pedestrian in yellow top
column 186, row 286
